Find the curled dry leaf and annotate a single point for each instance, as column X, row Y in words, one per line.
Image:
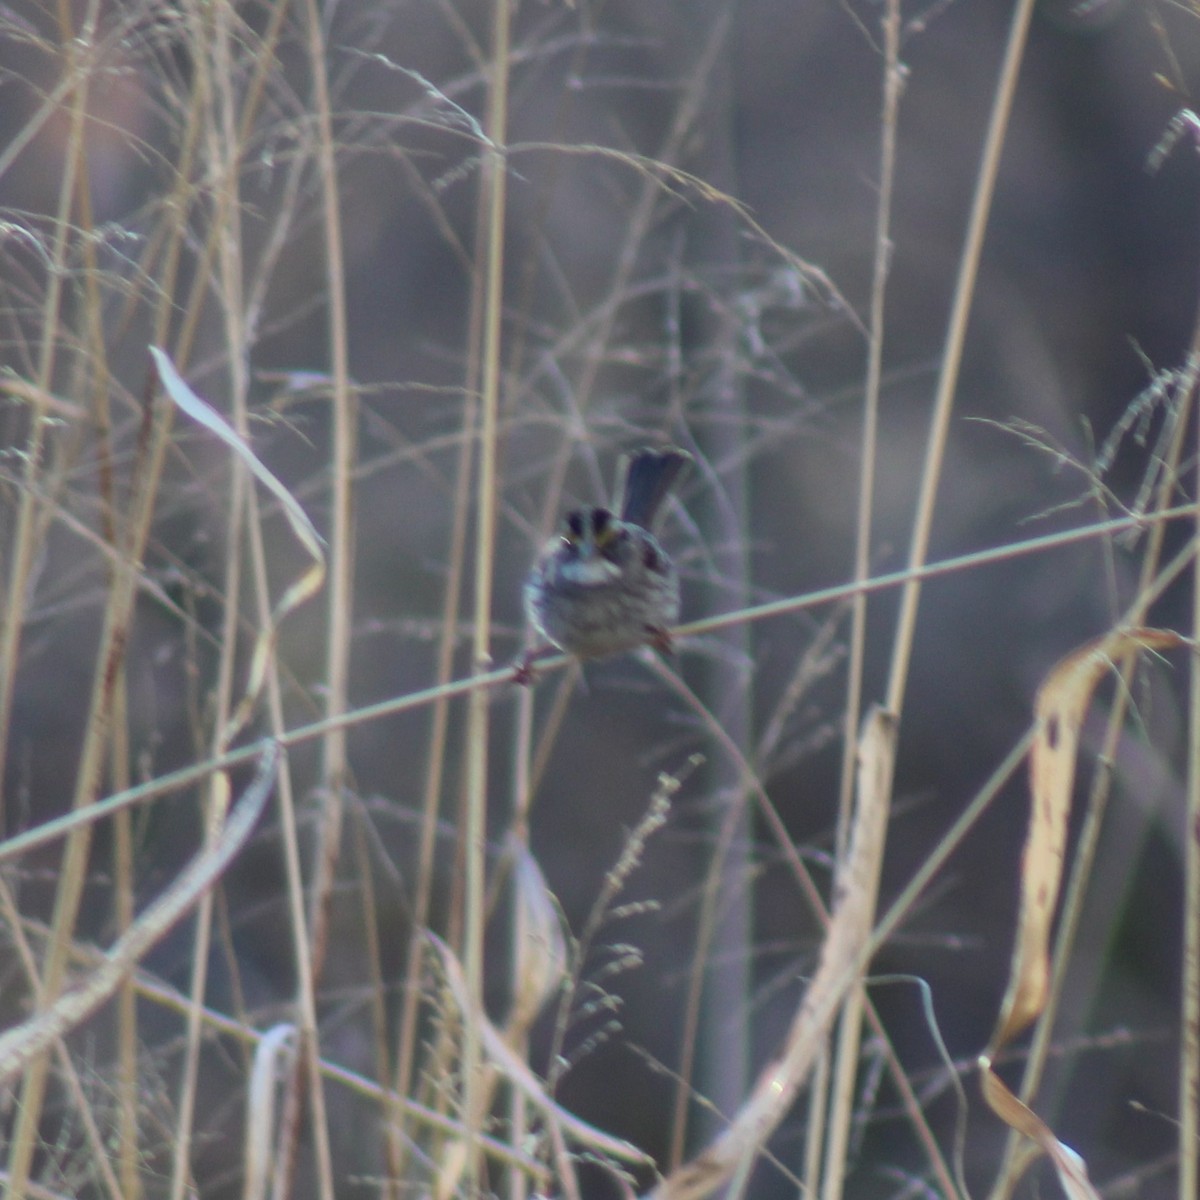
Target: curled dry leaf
column 1070, row 1167
column 1062, row 703
column 541, row 952
column 274, row 1054
column 306, row 585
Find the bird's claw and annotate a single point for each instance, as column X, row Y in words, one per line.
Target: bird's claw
column 523, row 673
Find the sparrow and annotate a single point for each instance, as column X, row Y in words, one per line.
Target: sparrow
column 603, row 584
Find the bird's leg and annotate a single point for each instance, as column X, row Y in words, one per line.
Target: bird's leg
column 523, row 669
column 660, row 639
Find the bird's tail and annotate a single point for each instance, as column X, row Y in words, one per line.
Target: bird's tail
column 643, row 480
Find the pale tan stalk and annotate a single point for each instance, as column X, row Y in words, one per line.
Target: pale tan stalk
column 97, row 373
column 964, row 291
column 293, row 871
column 1189, row 1029
column 128, row 1092
column 167, row 273
column 334, row 768
column 113, row 641
column 222, row 148
column 12, row 618
column 935, row 570
column 24, row 541
column 188, row 776
column 475, row 830
column 364, row 874
column 406, row 1039
column 439, row 724
column 182, row 197
column 150, row 455
column 844, row 1070
column 314, row 932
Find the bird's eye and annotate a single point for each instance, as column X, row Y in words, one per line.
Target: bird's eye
column 574, row 526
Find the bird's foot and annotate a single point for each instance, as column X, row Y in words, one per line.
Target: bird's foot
column 523, row 673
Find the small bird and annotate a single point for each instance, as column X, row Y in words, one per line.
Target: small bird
column 604, row 584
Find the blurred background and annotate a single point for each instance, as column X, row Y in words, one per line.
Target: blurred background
column 640, row 307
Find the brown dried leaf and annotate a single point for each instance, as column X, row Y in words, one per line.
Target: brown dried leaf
column 541, row 947
column 1062, row 703
column 1071, row 1169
